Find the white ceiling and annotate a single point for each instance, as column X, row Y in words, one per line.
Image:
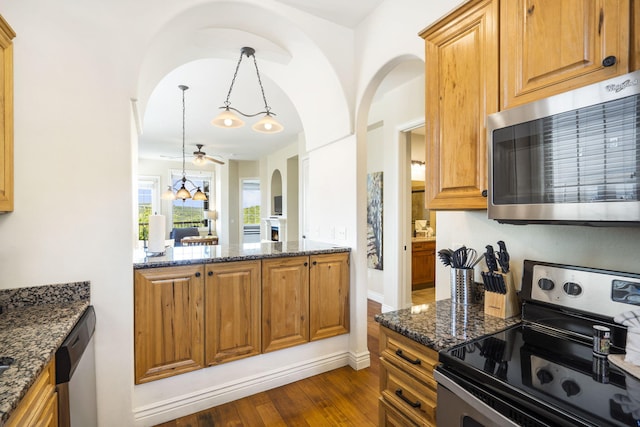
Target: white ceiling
column 209, row 80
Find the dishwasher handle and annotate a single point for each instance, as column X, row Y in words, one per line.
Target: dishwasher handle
column 69, row 354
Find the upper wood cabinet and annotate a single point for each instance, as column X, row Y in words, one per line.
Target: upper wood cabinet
column 232, row 307
column 6, row 116
column 329, row 295
column 550, row 46
column 168, row 321
column 461, row 90
column 285, row 302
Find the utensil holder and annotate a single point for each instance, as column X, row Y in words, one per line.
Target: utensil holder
column 502, row 305
column 462, row 286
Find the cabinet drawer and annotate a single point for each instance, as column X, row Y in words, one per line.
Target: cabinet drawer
column 391, row 417
column 413, row 398
column 415, row 359
column 423, row 246
column 39, row 406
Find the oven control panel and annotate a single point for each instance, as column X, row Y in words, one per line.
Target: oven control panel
column 597, row 291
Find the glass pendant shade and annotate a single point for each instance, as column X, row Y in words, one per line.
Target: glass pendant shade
column 183, row 193
column 199, row 195
column 168, row 194
column 228, row 119
column 268, row 125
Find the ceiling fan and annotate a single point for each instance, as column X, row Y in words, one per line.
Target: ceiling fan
column 201, row 157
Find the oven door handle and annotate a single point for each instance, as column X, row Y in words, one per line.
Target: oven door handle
column 499, row 419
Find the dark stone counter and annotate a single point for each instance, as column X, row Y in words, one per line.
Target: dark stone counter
column 185, row 255
column 443, row 324
column 33, row 324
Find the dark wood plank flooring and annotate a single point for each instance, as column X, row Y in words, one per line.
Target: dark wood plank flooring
column 342, row 397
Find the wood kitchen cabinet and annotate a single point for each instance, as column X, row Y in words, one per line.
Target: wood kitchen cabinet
column 285, row 302
column 423, row 264
column 408, row 391
column 461, row 70
column 550, row 46
column 194, row 316
column 168, row 321
column 329, row 295
column 304, row 299
column 232, row 306
column 39, row 407
column 6, row 116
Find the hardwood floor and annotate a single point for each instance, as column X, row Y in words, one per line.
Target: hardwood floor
column 342, row 397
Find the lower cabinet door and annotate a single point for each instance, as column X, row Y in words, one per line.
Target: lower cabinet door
column 232, row 301
column 285, row 302
column 329, row 295
column 168, row 321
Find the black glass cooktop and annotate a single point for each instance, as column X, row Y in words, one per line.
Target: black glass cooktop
column 550, row 374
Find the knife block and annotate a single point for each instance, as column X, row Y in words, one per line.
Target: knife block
column 502, row 305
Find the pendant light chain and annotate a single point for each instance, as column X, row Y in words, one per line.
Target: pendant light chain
column 233, row 80
column 266, row 107
column 184, row 88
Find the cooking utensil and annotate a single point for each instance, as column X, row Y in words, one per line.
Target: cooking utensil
column 445, row 256
column 503, row 257
column 459, row 258
column 472, row 256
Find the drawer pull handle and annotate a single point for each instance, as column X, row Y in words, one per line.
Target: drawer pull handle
column 407, row 401
column 412, row 361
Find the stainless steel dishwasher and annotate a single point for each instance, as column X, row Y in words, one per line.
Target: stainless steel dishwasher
column 76, row 375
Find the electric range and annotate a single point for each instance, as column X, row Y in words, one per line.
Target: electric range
column 544, row 372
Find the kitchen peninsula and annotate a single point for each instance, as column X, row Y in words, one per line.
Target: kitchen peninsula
column 200, row 306
column 410, row 340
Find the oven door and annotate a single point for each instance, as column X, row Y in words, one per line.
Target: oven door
column 459, row 408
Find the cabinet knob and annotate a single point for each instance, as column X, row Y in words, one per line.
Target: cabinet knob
column 210, row 273
column 484, row 193
column 315, row 262
column 306, row 263
column 609, row 61
column 197, row 274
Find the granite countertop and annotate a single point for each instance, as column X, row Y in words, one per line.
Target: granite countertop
column 185, row 255
column 33, row 324
column 443, row 324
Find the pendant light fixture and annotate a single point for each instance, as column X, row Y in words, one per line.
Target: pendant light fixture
column 229, row 119
column 183, row 193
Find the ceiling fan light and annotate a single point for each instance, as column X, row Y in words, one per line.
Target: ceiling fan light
column 199, row 160
column 199, row 195
column 183, row 193
column 227, row 119
column 268, row 125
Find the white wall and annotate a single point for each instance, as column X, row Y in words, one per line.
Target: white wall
column 609, row 248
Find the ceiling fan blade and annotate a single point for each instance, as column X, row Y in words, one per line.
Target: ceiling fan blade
column 220, row 162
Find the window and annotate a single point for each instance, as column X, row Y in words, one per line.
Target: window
column 190, row 213
column 148, row 203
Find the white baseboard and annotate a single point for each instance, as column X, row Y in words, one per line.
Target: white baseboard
column 187, row 404
column 360, row 360
column 375, row 296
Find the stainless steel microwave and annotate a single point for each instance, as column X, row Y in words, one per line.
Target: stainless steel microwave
column 573, row 158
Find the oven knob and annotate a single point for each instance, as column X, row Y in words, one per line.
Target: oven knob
column 572, row 289
column 544, row 376
column 571, row 388
column 546, row 284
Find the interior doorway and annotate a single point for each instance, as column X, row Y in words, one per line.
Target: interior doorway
column 250, row 211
